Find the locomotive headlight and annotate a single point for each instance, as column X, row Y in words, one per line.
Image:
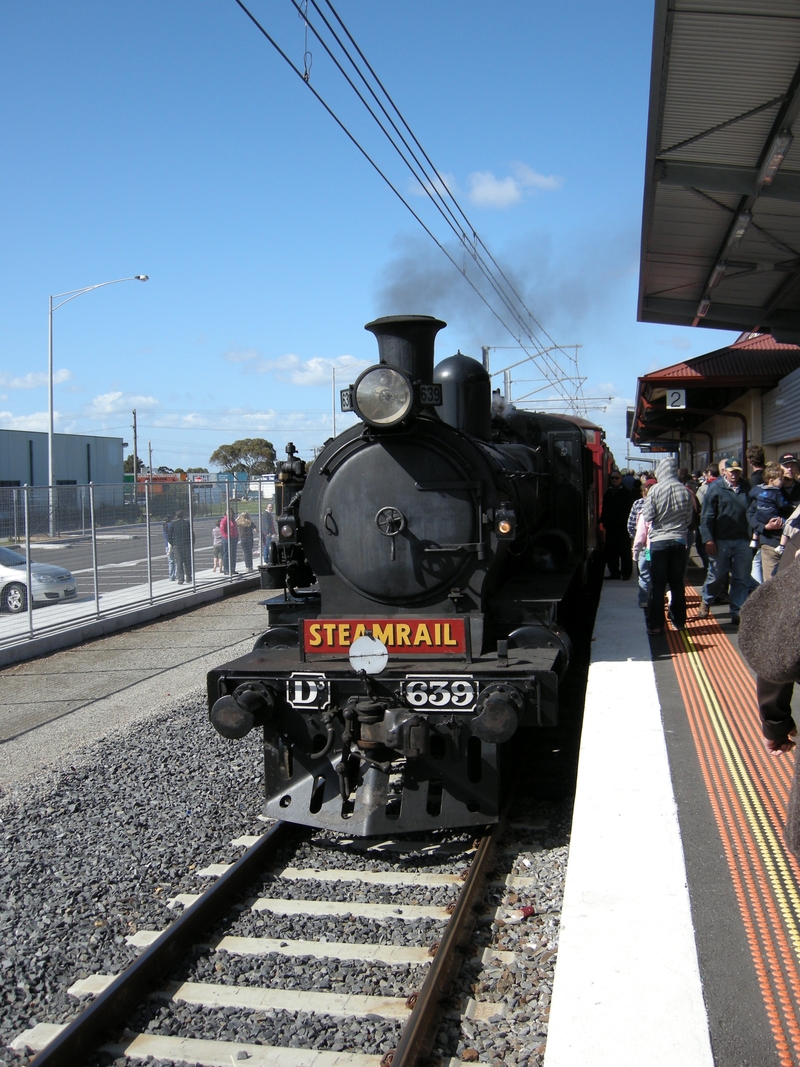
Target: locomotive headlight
column 287, row 529
column 383, row 396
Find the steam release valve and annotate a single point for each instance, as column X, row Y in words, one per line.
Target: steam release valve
column 499, row 711
column 250, row 705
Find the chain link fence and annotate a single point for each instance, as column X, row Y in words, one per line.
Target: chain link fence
column 73, row 553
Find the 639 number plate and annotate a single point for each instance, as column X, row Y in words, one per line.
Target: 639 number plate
column 441, row 694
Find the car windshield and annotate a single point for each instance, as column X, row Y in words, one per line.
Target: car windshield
column 11, row 559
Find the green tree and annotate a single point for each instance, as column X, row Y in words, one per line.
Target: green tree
column 253, row 455
column 197, row 470
column 127, row 466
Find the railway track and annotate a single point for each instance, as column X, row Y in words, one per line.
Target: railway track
column 383, row 932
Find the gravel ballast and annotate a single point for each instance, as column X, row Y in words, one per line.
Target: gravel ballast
column 93, row 852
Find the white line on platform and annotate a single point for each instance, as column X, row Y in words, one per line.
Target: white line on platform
column 627, row 988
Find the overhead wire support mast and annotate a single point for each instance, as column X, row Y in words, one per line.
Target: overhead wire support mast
column 576, row 399
column 430, row 186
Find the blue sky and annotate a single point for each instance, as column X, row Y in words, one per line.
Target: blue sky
column 170, row 139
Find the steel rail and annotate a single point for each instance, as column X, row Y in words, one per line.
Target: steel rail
column 106, row 1015
column 419, row 1033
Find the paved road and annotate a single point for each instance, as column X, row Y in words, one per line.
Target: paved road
column 121, row 555
column 53, row 705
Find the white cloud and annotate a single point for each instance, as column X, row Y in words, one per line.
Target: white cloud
column 531, row 179
column 33, row 379
column 486, row 190
column 315, row 371
column 38, row 421
column 114, row 402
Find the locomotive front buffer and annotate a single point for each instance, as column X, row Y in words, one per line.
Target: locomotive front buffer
column 370, row 742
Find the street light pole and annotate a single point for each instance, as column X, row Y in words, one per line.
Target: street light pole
column 71, row 295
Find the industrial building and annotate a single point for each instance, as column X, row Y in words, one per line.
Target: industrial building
column 77, row 459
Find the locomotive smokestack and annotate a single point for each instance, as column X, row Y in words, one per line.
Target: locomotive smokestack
column 406, row 341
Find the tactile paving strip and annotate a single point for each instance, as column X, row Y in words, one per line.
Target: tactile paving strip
column 749, row 790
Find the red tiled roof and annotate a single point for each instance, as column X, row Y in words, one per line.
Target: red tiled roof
column 774, row 361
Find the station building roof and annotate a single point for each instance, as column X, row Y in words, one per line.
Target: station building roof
column 711, row 383
column 721, row 223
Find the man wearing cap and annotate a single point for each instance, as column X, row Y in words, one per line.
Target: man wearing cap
column 725, row 530
column 791, row 486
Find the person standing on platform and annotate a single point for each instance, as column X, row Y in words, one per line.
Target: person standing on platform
column 725, row 530
column 216, row 542
column 168, row 550
column 641, row 544
column 246, row 531
column 791, row 485
column 669, row 508
column 617, row 503
column 768, row 512
column 230, row 541
column 181, row 538
column 269, row 532
column 756, row 462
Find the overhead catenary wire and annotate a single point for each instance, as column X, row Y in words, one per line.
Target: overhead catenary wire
column 435, row 187
column 431, row 186
column 373, row 164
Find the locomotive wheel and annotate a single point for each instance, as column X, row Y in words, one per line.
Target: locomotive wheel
column 15, row 598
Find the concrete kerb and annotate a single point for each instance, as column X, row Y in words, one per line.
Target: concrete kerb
column 76, row 634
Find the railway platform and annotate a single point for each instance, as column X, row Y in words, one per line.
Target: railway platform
column 680, row 938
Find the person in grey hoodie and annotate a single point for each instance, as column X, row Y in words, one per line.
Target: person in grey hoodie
column 669, row 508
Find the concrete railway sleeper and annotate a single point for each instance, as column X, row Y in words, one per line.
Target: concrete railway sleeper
column 420, row 1010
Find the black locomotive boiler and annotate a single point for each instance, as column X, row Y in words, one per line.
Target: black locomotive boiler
column 423, row 556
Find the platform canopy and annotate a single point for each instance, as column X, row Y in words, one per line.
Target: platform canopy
column 721, row 225
column 674, row 401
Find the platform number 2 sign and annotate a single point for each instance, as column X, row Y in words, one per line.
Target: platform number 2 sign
column 676, row 398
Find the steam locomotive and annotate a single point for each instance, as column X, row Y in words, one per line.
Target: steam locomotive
column 423, row 556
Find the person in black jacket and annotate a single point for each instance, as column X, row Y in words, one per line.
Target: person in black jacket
column 181, row 538
column 726, row 534
column 617, row 504
column 791, row 485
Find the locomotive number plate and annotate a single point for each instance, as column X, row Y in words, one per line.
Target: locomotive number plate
column 441, row 694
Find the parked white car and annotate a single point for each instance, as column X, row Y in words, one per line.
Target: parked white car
column 50, row 584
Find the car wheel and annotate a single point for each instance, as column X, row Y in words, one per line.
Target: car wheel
column 14, row 598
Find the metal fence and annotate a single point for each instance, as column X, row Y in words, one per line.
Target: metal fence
column 86, row 551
